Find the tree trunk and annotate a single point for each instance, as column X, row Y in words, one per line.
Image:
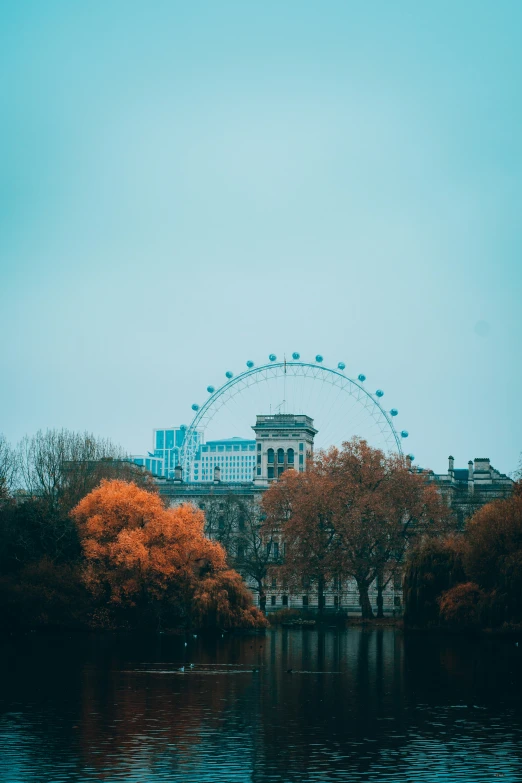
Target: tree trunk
column 366, row 607
column 262, row 598
column 320, row 595
column 380, row 600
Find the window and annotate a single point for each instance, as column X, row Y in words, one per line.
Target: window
column 270, row 456
column 274, row 582
column 160, row 439
column 280, row 456
column 276, row 550
column 270, row 473
column 397, row 600
column 300, row 459
column 305, row 601
column 272, row 600
column 259, row 471
column 285, row 600
column 259, row 447
column 280, row 470
column 290, row 456
column 336, row 601
column 259, row 459
column 301, row 447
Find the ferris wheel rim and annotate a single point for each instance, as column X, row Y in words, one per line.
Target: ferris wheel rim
column 252, row 370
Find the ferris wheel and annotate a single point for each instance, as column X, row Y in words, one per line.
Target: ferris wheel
column 341, row 406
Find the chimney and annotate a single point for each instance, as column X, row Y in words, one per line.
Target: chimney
column 178, row 474
column 217, row 474
column 482, row 470
column 470, row 476
column 451, row 463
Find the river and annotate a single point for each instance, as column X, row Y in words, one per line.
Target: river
column 356, row 705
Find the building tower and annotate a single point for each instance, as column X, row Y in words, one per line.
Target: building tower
column 283, row 441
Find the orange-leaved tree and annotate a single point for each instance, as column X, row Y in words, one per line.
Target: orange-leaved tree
column 353, row 514
column 493, row 556
column 141, row 556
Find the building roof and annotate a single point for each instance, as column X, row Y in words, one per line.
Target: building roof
column 461, row 474
column 235, row 440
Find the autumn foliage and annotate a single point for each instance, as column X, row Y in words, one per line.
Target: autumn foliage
column 144, row 560
column 476, row 579
column 352, row 513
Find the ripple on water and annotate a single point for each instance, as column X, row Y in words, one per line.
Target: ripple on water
column 357, row 706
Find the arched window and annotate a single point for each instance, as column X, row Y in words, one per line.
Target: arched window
column 270, row 456
column 290, row 456
column 280, row 456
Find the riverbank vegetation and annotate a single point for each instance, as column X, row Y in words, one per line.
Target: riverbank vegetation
column 472, row 581
column 89, row 544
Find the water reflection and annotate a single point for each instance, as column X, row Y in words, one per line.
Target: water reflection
column 293, row 705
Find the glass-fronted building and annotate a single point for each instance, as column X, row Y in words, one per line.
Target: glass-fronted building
column 234, row 456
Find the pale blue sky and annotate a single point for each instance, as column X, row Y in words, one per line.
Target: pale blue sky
column 187, row 185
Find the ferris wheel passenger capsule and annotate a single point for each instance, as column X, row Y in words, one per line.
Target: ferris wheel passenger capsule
column 404, row 434
column 341, row 366
column 229, row 374
column 272, row 357
column 362, row 377
column 379, row 393
column 394, row 412
column 195, row 407
column 296, row 356
column 411, row 457
column 210, row 389
column 250, row 364
column 318, row 358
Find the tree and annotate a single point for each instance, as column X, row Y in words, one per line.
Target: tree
column 222, row 518
column 493, row 556
column 299, row 510
column 460, row 606
column 8, row 468
column 433, row 567
column 157, row 561
column 353, row 512
column 255, row 553
column 61, row 467
column 57, row 469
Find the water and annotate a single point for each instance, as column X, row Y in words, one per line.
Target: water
column 360, row 705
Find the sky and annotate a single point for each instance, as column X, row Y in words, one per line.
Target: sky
column 185, row 186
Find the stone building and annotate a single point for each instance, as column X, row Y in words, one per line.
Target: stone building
column 285, row 441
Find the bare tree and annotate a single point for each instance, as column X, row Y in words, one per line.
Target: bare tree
column 236, row 523
column 61, row 467
column 8, row 468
